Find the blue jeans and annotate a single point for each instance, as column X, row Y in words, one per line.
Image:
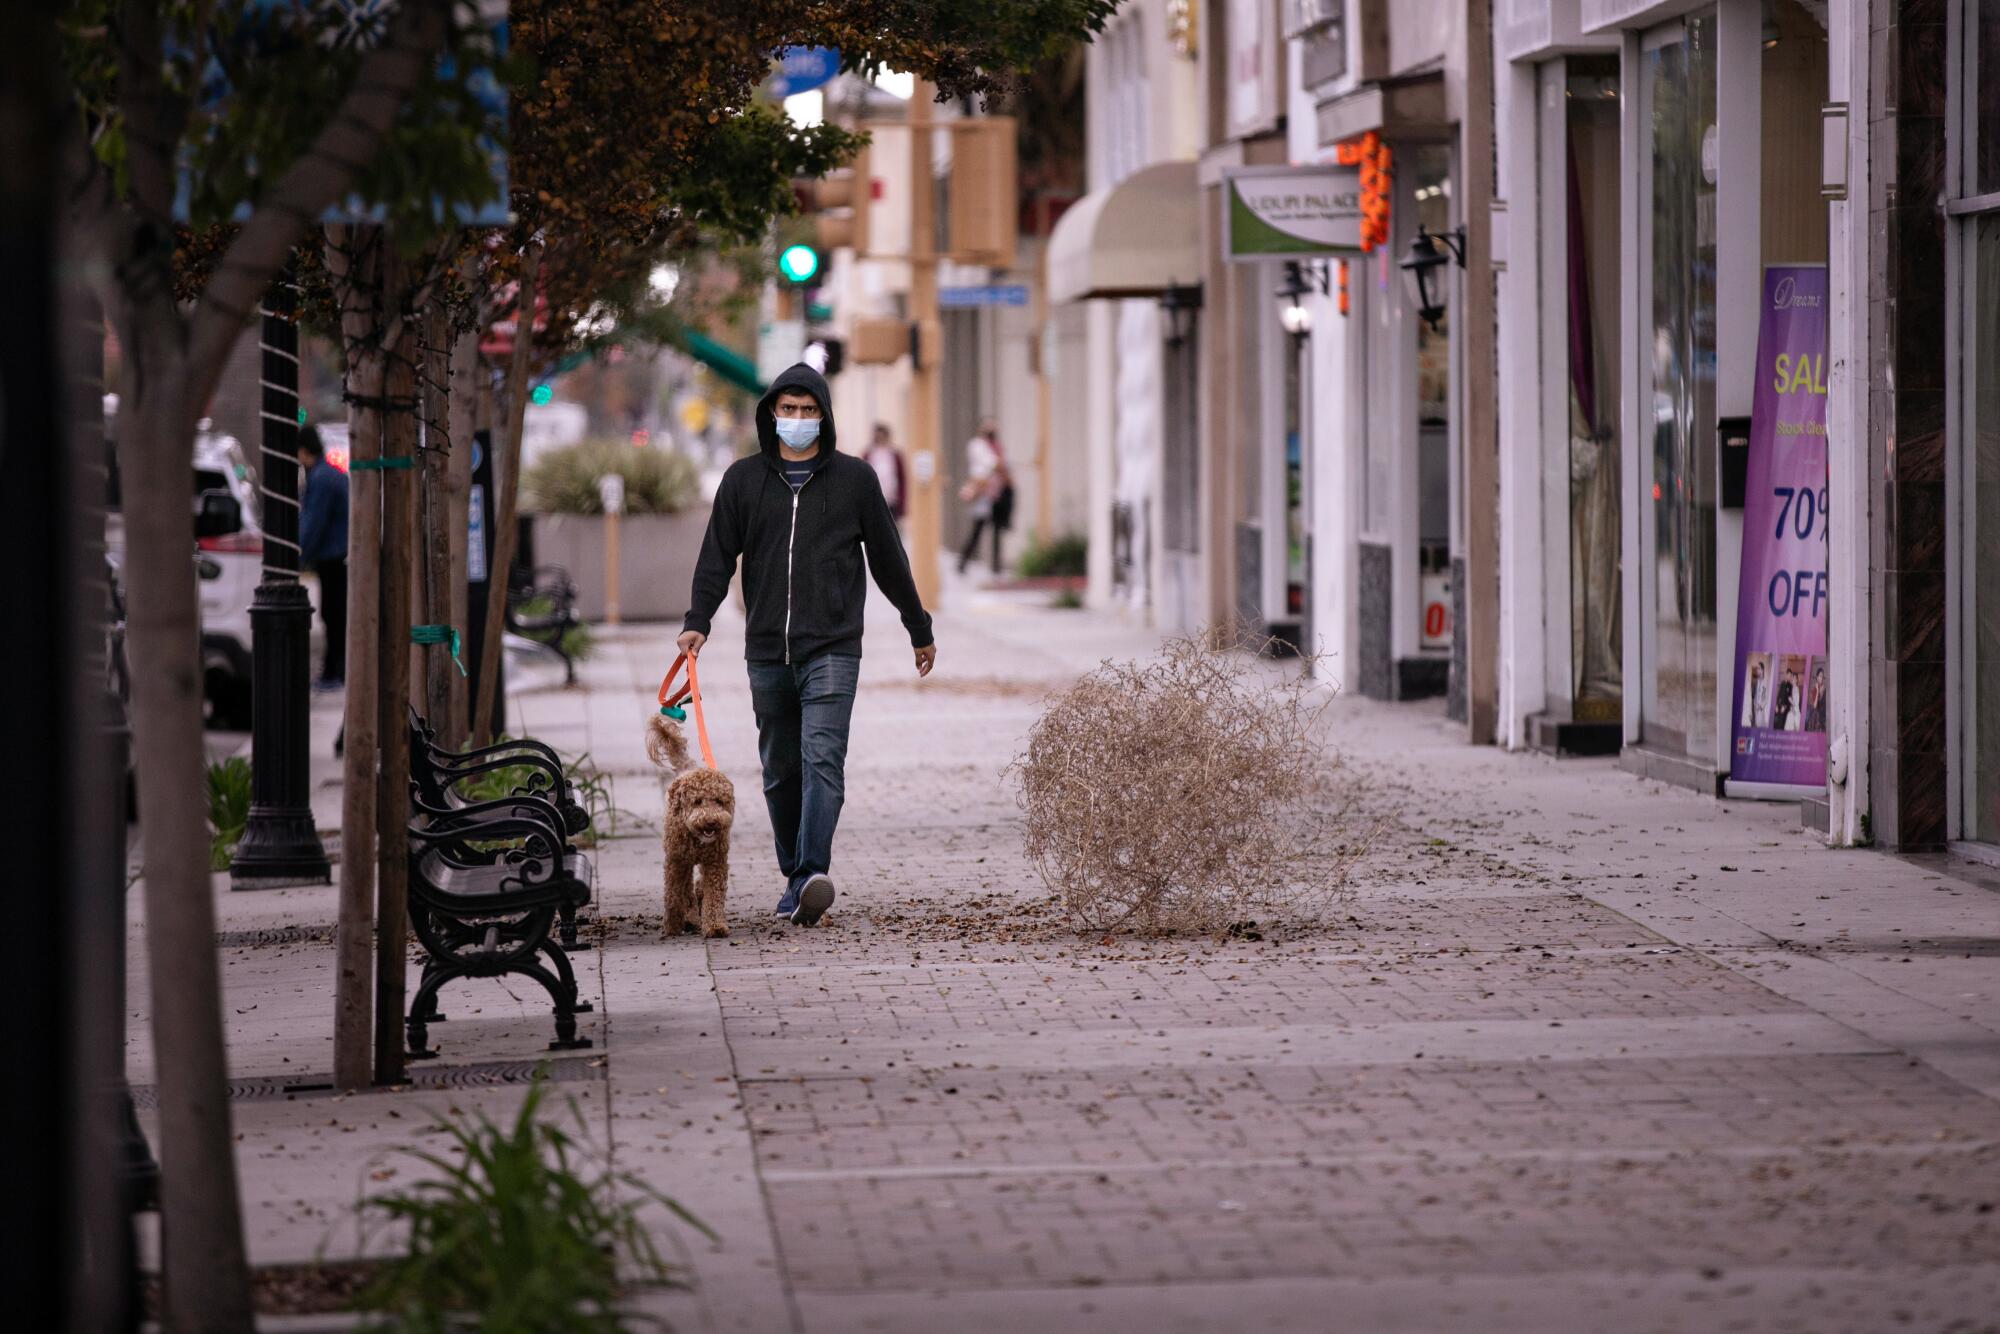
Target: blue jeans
column 802, row 715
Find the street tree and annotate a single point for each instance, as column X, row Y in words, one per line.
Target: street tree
column 263, row 116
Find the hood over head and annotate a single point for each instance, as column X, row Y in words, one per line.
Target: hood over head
column 797, row 377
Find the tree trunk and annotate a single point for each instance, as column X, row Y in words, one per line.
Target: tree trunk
column 392, row 800
column 207, row 1282
column 507, row 492
column 356, row 277
column 433, row 600
column 466, row 374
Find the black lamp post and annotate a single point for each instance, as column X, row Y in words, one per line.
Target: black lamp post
column 280, row 843
column 1424, row 266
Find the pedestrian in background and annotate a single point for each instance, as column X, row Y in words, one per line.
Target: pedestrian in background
column 988, row 490
column 887, row 461
column 323, row 546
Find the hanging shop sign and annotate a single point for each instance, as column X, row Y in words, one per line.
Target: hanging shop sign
column 1292, row 212
column 1779, row 720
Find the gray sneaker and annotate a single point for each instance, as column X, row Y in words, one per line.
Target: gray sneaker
column 815, row 897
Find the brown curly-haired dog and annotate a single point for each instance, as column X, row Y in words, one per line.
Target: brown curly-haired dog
column 701, row 806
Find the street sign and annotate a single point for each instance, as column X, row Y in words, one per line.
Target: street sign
column 802, row 69
column 1291, row 212
column 997, row 294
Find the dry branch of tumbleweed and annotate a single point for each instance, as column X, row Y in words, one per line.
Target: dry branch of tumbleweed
column 1187, row 792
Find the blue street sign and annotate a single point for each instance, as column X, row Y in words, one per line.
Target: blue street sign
column 1000, row 294
column 802, row 69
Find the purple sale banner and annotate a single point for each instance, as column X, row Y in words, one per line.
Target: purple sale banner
column 1781, row 678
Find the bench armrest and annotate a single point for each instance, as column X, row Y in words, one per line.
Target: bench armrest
column 476, row 820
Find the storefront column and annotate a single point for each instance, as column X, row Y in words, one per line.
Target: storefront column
column 1526, row 594
column 1739, row 284
column 1099, row 433
column 1220, row 365
column 1906, row 417
column 1479, row 437
column 1851, row 541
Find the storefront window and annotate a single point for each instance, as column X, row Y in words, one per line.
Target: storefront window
column 1430, row 192
column 1678, row 589
column 1591, row 280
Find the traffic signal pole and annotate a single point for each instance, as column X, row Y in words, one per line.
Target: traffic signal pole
column 925, row 507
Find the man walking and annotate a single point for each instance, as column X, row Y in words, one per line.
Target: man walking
column 323, row 545
column 801, row 516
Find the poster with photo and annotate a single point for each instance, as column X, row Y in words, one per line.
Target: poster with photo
column 1779, row 719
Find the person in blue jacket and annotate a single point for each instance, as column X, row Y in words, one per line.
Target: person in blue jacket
column 323, row 546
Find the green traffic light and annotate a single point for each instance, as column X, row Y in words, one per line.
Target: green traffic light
column 540, row 395
column 799, row 263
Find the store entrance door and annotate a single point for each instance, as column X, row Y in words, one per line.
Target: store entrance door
column 1677, row 471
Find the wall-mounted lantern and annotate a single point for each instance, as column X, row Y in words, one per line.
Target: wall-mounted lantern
column 1423, row 267
column 1179, row 305
column 1300, row 279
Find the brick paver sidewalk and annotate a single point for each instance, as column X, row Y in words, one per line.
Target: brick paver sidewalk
column 1583, row 1053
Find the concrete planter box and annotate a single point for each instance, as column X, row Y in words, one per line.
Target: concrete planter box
column 656, row 555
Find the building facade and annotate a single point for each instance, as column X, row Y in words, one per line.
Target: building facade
column 1122, row 277
column 1689, row 451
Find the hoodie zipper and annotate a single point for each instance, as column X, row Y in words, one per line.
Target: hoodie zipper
column 791, row 541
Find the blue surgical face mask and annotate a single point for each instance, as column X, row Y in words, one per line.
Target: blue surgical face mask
column 798, row 432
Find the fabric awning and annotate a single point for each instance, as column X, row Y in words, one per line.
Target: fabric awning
column 731, row 366
column 1136, row 238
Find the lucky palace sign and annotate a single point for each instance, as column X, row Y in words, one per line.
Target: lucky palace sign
column 1291, row 212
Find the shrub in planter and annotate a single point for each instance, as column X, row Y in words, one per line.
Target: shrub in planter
column 228, row 808
column 1064, row 555
column 564, row 481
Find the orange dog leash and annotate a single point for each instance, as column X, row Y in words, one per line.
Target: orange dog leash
column 690, row 691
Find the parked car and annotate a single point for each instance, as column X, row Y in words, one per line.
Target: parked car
column 229, row 554
column 229, row 559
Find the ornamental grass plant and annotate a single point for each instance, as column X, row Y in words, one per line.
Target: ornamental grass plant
column 525, row 1229
column 564, row 481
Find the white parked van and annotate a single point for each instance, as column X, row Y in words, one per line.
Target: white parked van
column 229, row 559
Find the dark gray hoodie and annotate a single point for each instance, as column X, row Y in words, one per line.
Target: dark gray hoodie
column 802, row 551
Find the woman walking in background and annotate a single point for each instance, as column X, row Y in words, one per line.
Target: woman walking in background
column 989, row 490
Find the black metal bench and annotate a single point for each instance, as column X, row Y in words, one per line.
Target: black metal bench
column 491, row 913
column 541, row 605
column 435, row 773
